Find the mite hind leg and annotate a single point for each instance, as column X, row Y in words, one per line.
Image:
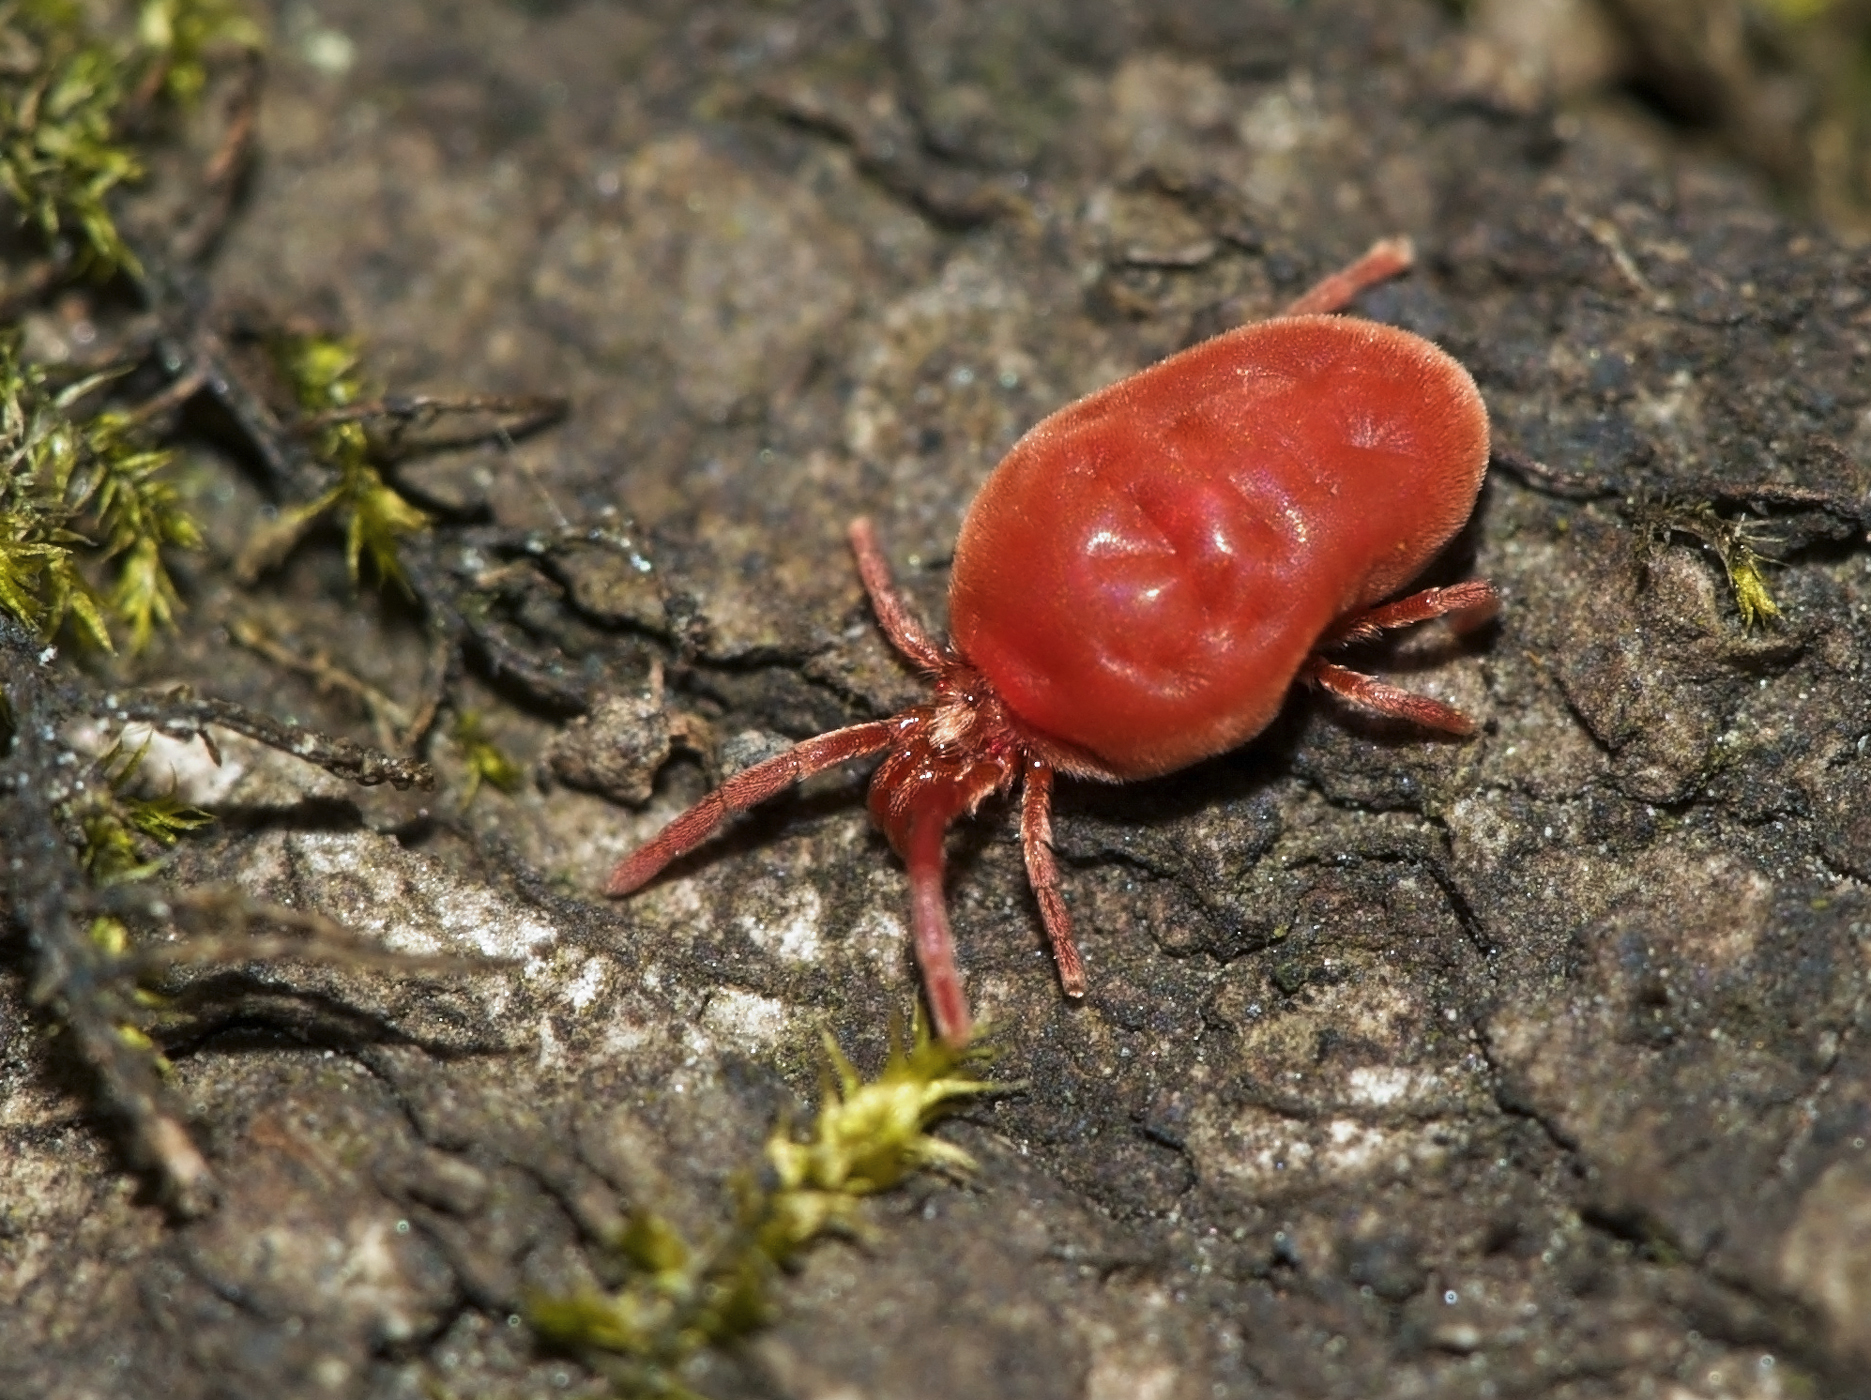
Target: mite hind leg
column 1042, row 872
column 1369, row 693
column 1467, row 604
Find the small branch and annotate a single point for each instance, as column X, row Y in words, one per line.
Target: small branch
column 408, row 412
column 218, row 921
column 457, row 611
column 181, row 717
column 197, row 351
column 44, row 274
column 1554, row 482
column 892, row 154
column 439, row 673
column 221, row 177
column 387, row 717
column 179, row 391
column 1847, row 508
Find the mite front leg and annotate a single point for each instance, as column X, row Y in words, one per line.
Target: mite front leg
column 745, row 789
column 893, row 613
column 1386, row 258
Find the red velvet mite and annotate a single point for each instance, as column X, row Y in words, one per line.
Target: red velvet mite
column 1142, row 579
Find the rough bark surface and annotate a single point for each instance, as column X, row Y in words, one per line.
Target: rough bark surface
column 1538, row 1065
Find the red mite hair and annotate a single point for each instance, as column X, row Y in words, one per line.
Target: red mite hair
column 1142, row 579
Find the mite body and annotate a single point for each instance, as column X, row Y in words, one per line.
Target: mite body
column 1142, row 579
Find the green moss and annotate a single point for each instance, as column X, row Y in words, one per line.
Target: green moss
column 486, row 761
column 60, row 158
column 139, row 514
column 63, row 108
column 325, row 376
column 77, row 488
column 1752, row 600
column 867, row 1137
column 112, row 821
column 82, row 487
column 177, row 36
column 40, row 448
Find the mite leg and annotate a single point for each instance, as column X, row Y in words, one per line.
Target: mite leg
column 1042, row 872
column 893, row 614
column 1369, row 693
column 1475, row 601
column 1387, row 257
column 935, row 946
column 745, row 789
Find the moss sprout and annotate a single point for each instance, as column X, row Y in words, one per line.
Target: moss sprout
column 1752, row 600
column 40, row 448
column 1733, row 542
column 325, row 376
column 486, row 761
column 679, row 1299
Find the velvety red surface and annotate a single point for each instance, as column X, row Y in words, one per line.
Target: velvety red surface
column 1146, row 570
